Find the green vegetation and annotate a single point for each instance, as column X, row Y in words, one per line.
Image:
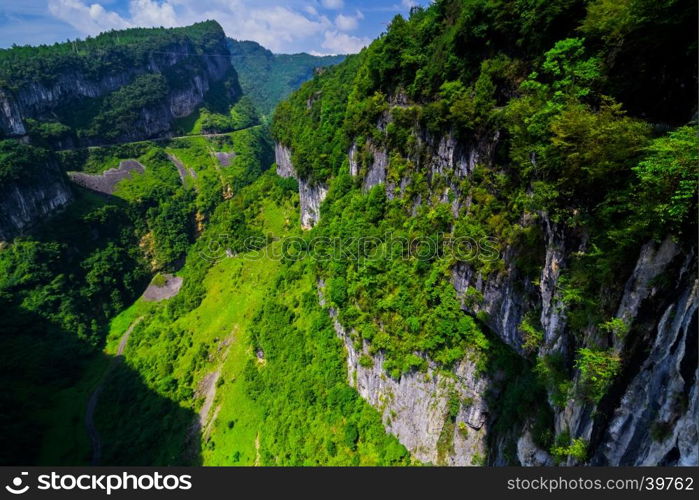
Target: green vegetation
column 668, row 175
column 125, row 112
column 598, row 369
column 59, row 289
column 20, row 162
column 532, row 334
column 566, row 447
column 617, row 327
column 289, row 407
column 396, row 297
column 579, row 145
column 110, row 53
column 552, row 372
column 121, row 109
column 243, row 366
column 242, row 115
column 268, row 78
column 257, row 415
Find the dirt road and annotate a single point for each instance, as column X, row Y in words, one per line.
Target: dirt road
column 93, row 434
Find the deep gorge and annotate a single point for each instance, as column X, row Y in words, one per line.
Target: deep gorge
column 570, row 340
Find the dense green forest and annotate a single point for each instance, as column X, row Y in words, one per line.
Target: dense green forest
column 69, row 288
column 580, row 142
column 252, row 323
column 109, row 53
column 60, row 289
column 544, row 79
column 142, row 60
column 268, row 78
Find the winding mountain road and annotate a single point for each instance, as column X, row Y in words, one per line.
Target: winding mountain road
column 93, row 434
column 158, row 139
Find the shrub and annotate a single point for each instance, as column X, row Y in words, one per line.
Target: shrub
column 597, row 371
column 564, row 447
column 617, row 327
column 532, row 335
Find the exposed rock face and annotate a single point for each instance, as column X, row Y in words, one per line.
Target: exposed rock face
column 650, row 415
column 376, row 171
column 529, row 454
column 657, row 418
column 107, row 181
column 652, row 402
column 23, row 204
column 310, row 195
column 451, row 156
column 652, row 261
column 224, row 159
column 10, row 120
column 552, row 317
column 504, row 307
column 415, row 408
column 282, row 156
column 168, row 289
column 39, row 100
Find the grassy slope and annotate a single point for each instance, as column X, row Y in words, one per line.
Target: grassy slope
column 235, row 289
column 65, row 441
column 149, row 403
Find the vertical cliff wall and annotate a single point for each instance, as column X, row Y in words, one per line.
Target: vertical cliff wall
column 70, row 89
column 23, row 204
column 311, row 195
column 649, row 415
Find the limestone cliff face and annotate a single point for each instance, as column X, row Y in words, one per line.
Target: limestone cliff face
column 416, row 407
column 656, row 419
column 310, row 195
column 23, row 204
column 653, row 405
column 39, row 100
column 648, row 417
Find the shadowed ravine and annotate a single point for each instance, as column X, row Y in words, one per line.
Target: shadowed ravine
column 92, row 432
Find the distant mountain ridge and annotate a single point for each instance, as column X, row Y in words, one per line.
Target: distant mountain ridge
column 268, row 78
column 119, row 86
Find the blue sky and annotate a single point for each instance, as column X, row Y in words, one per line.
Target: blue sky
column 314, row 26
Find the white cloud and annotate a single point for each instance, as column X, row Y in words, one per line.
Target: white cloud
column 151, row 13
column 408, row 4
column 342, row 43
column 89, row 20
column 280, row 28
column 348, row 23
column 333, row 4
column 275, row 28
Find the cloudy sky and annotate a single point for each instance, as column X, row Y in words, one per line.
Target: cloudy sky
column 284, row 26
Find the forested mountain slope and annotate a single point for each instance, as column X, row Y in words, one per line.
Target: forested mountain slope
column 479, row 245
column 538, row 162
column 86, row 254
column 268, row 78
column 117, row 87
column 130, row 309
